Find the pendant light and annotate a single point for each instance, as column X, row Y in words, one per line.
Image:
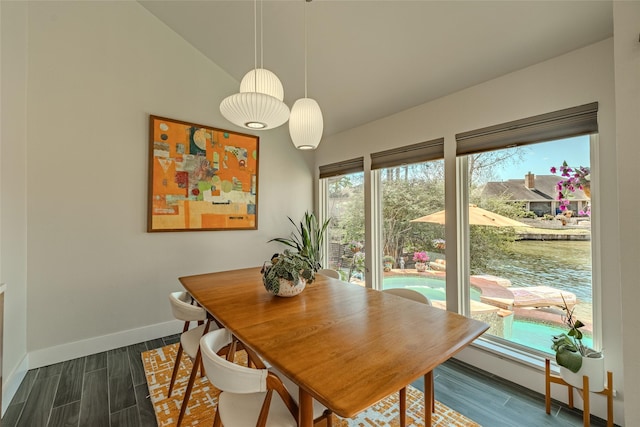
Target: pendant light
column 259, row 104
column 306, row 123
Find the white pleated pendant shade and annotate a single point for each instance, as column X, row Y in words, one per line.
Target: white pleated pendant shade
column 254, row 110
column 306, row 124
column 263, row 81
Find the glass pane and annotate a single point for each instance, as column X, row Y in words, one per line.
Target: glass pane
column 520, row 275
column 346, row 230
column 413, row 246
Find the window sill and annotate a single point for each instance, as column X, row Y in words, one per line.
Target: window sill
column 514, row 354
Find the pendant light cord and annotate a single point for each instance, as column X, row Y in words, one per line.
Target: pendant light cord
column 261, row 38
column 305, row 48
column 255, row 45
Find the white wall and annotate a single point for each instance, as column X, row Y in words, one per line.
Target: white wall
column 13, row 192
column 626, row 17
column 96, row 279
column 577, row 78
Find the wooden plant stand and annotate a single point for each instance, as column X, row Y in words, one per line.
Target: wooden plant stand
column 586, row 416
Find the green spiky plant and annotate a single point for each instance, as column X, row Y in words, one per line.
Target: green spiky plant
column 286, row 265
column 307, row 238
column 568, row 346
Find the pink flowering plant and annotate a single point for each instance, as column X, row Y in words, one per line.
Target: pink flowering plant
column 573, row 178
column 420, row 257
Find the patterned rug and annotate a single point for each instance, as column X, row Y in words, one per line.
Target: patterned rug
column 158, row 365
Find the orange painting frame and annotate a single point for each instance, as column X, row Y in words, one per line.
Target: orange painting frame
column 201, row 177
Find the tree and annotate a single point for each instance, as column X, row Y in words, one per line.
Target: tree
column 403, row 201
column 483, row 166
column 414, row 190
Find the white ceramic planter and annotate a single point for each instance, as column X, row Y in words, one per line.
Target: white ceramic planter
column 591, row 367
column 287, row 288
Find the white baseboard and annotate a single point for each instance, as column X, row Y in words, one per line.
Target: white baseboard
column 72, row 350
column 13, row 381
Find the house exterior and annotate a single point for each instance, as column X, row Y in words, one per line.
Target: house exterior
column 537, row 192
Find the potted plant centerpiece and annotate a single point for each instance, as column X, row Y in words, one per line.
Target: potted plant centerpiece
column 307, row 238
column 287, row 274
column 576, row 359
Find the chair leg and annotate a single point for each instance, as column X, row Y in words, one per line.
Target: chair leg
column 403, row 407
column 327, row 416
column 433, row 397
column 187, row 392
column 216, row 420
column 176, row 366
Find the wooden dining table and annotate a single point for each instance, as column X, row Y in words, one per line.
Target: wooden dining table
column 344, row 345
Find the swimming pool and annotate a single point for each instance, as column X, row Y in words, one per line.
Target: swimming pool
column 523, row 331
column 432, row 287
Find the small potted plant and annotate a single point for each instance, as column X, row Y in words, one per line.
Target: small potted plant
column 287, row 273
column 387, row 262
column 421, row 259
column 576, row 359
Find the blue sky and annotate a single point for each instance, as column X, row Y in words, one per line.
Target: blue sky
column 539, row 158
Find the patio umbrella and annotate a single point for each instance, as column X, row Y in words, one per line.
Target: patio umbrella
column 477, row 216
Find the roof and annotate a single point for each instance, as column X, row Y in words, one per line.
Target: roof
column 544, row 191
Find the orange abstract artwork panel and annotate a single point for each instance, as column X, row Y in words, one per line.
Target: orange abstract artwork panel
column 201, row 178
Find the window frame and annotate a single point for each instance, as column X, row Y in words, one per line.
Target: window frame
column 501, row 346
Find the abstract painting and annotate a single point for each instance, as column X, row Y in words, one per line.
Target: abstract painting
column 201, row 178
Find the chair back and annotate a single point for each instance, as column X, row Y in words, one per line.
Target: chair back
column 183, row 309
column 408, row 294
column 329, row 273
column 224, row 374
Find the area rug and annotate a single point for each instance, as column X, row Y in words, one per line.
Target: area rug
column 158, row 365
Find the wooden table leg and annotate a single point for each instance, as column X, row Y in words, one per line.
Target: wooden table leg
column 305, row 401
column 403, row 407
column 428, row 397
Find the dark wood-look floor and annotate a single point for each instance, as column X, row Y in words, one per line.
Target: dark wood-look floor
column 109, row 389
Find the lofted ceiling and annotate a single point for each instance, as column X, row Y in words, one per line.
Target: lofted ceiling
column 371, row 59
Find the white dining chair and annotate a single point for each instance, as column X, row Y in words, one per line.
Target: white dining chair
column 185, row 309
column 247, row 395
column 329, row 273
column 408, row 294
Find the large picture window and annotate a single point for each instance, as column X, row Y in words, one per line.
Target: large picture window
column 520, row 276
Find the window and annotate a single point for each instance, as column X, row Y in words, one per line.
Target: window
column 342, row 185
column 410, row 180
column 413, row 250
column 512, row 276
column 518, row 276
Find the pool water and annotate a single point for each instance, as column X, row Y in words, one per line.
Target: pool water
column 432, row 287
column 524, row 332
column 538, row 335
